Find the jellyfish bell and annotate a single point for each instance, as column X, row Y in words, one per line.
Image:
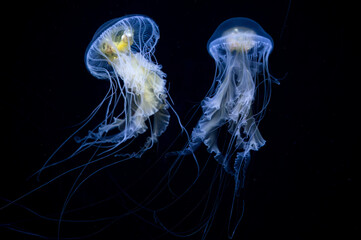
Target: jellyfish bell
column 240, row 34
column 239, row 39
column 110, row 46
column 135, row 33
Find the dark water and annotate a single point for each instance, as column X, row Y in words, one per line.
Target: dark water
column 300, row 185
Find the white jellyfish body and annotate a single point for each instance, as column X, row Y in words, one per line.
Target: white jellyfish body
column 240, row 48
column 122, row 51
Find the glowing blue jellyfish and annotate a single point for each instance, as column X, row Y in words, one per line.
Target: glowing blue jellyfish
column 122, row 52
column 238, row 97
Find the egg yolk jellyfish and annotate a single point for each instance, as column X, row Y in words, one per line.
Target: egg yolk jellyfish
column 233, row 108
column 122, row 53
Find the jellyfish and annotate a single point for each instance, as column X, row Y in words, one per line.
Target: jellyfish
column 122, row 52
column 238, row 97
column 228, row 127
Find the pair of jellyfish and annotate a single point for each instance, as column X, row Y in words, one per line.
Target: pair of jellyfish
column 122, row 52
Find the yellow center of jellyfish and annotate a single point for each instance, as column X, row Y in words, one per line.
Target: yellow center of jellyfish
column 239, row 38
column 120, row 42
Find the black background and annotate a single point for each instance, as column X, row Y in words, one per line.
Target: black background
column 300, row 185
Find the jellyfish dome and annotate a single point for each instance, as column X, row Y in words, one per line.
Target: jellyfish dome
column 134, row 33
column 238, row 97
column 122, row 52
column 239, row 34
